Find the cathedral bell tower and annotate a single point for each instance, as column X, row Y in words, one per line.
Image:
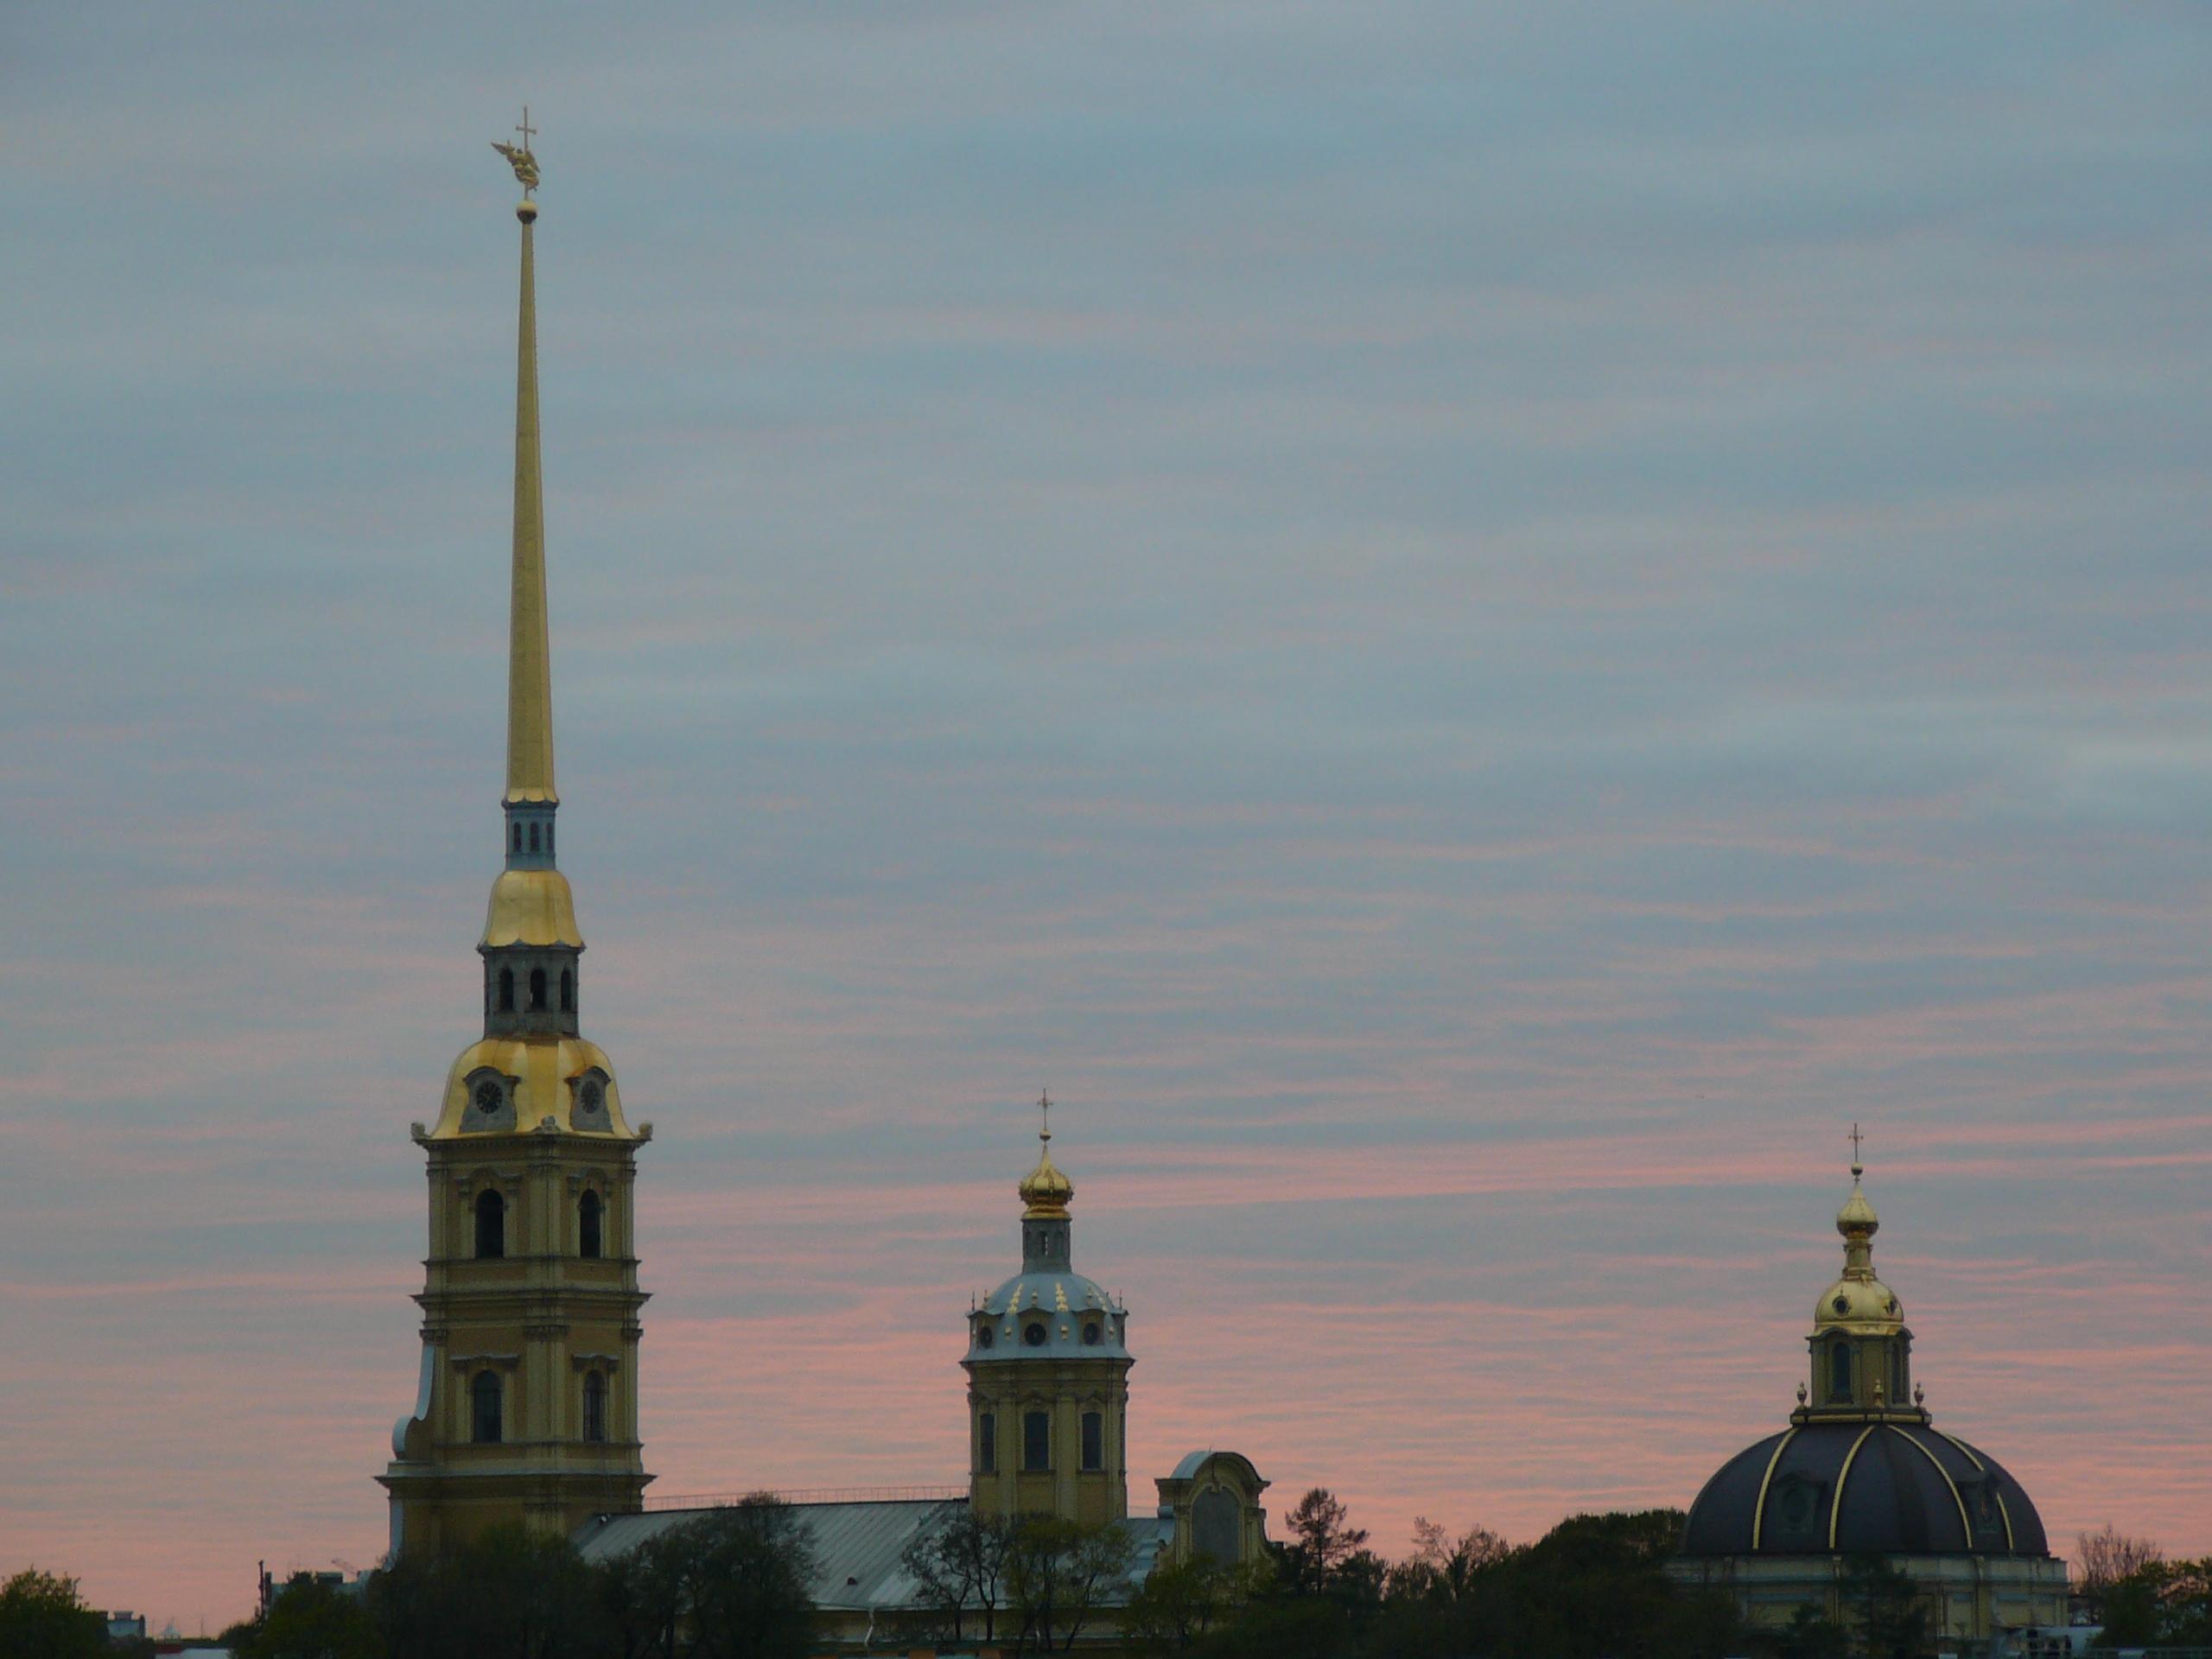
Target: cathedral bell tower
column 1048, row 1370
column 527, row 1406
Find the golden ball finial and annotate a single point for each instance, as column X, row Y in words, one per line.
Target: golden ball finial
column 526, row 210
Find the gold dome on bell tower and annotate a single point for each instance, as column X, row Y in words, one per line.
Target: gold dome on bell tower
column 1045, row 1190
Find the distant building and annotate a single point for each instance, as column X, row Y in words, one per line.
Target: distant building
column 1861, row 1471
column 125, row 1627
column 1048, row 1364
column 526, row 1410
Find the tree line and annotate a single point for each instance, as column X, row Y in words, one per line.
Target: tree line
column 734, row 1584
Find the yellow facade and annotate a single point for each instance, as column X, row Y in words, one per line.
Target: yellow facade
column 526, row 1410
column 1048, row 1368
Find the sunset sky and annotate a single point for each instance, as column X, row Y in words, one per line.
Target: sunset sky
column 1471, row 628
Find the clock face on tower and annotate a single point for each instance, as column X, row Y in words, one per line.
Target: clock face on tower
column 591, row 1097
column 488, row 1098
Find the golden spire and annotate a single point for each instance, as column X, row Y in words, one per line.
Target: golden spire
column 1045, row 1190
column 530, row 680
column 1857, row 1220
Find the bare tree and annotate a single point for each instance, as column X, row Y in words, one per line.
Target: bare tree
column 2102, row 1559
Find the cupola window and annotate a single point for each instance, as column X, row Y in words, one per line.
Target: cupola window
column 595, row 1406
column 507, row 990
column 1094, row 1441
column 1036, row 1440
column 587, row 1224
column 984, row 1336
column 491, row 1226
column 1093, row 1333
column 483, row 1399
column 537, row 988
column 1839, row 1373
column 533, row 837
column 1034, row 1334
column 518, row 838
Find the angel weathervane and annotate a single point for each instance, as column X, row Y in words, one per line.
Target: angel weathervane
column 518, row 157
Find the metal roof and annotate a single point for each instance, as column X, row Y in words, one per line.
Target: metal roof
column 857, row 1545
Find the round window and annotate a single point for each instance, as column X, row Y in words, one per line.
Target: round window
column 1842, row 1304
column 488, row 1097
column 1034, row 1335
column 1092, row 1335
column 984, row 1337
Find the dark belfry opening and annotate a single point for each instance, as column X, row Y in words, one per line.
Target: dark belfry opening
column 485, row 1398
column 490, row 1225
column 1839, row 1372
column 595, row 1406
column 587, row 1224
column 537, row 988
column 507, row 990
column 533, row 837
column 518, row 838
column 568, row 993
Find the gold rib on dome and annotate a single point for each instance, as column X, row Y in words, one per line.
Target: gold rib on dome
column 1045, row 1190
column 530, row 669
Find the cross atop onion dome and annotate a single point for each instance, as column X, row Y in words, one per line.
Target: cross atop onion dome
column 1045, row 1190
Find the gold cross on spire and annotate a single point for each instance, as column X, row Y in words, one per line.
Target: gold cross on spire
column 1045, row 1108
column 1855, row 1137
column 519, row 156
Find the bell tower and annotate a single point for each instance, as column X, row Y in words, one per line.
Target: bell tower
column 526, row 1410
column 1048, row 1373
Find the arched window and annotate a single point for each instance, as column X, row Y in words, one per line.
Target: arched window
column 568, row 993
column 517, row 836
column 533, row 837
column 537, row 988
column 484, row 1397
column 595, row 1406
column 490, row 1225
column 987, row 1444
column 507, row 990
column 587, row 1228
column 1839, row 1373
column 1094, row 1440
column 1036, row 1440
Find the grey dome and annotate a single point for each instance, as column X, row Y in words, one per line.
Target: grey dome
column 1895, row 1489
column 1066, row 1305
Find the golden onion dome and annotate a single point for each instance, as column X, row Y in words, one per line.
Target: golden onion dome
column 1858, row 1299
column 1857, row 1218
column 531, row 908
column 1045, row 1190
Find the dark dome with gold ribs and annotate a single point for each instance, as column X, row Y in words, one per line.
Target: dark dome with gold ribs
column 1896, row 1489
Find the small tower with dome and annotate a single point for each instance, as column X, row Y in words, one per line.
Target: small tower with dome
column 1862, row 1473
column 1048, row 1367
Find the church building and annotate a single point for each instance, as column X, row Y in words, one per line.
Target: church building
column 1862, row 1473
column 526, row 1410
